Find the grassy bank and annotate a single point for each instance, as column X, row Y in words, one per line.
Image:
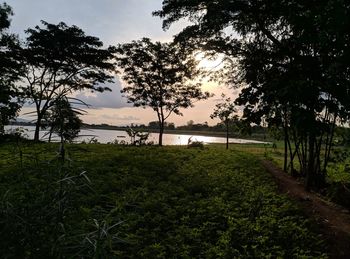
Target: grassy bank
column 337, row 187
column 108, row 201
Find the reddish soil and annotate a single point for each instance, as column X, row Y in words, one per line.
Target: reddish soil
column 334, row 221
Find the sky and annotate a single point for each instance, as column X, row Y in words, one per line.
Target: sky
column 113, row 21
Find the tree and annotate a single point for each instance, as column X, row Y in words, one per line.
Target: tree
column 10, row 69
column 293, row 59
column 158, row 75
column 61, row 59
column 63, row 119
column 224, row 111
column 155, row 125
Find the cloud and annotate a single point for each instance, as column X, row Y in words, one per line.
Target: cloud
column 123, row 116
column 120, row 118
column 113, row 21
column 96, row 100
column 106, row 99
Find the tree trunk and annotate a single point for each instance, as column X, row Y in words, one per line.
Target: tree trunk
column 310, row 177
column 285, row 149
column 37, row 129
column 2, row 128
column 50, row 134
column 329, row 145
column 226, row 135
column 161, row 131
column 292, row 155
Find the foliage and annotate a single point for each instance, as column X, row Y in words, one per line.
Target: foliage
column 338, row 177
column 342, row 136
column 143, row 203
column 155, row 125
column 10, row 69
column 284, row 53
column 61, row 59
column 159, row 76
column 224, row 111
column 195, row 144
column 337, row 188
column 62, row 119
column 137, row 137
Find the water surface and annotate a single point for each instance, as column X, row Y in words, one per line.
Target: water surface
column 105, row 136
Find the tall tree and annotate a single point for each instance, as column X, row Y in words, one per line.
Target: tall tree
column 61, row 59
column 224, row 110
column 159, row 76
column 10, row 69
column 292, row 57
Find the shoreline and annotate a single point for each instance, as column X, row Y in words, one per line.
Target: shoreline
column 217, row 134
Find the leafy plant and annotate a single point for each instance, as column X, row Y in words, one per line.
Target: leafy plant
column 137, row 137
column 195, row 144
column 143, row 202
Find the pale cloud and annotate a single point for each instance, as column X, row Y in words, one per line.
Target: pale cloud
column 119, row 117
column 126, row 115
column 113, row 21
column 107, row 99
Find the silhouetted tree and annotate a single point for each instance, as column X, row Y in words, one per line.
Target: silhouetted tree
column 155, row 125
column 63, row 119
column 170, row 126
column 10, row 69
column 293, row 58
column 158, row 75
column 61, row 59
column 224, row 111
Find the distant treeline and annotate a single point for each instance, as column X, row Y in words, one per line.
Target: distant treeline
column 342, row 134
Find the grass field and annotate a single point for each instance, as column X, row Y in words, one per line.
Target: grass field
column 108, row 201
column 337, row 187
column 338, row 168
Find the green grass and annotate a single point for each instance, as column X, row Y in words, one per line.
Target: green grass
column 146, row 202
column 338, row 170
column 263, row 151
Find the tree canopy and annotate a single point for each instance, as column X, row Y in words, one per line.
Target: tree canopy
column 61, row 59
column 159, row 76
column 292, row 57
column 224, row 110
column 10, row 69
column 63, row 119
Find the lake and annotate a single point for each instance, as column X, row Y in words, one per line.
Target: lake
column 105, row 136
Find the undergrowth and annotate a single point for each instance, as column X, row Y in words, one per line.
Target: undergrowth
column 108, row 201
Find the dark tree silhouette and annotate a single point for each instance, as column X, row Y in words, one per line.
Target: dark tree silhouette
column 293, row 58
column 61, row 59
column 63, row 119
column 10, row 69
column 224, row 111
column 158, row 75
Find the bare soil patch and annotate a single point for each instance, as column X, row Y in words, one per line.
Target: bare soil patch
column 333, row 220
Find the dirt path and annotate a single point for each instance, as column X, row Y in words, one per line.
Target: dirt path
column 333, row 219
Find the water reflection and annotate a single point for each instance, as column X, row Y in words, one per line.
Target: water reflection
column 105, row 136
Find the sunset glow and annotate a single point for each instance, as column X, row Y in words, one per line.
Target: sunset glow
column 113, row 28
